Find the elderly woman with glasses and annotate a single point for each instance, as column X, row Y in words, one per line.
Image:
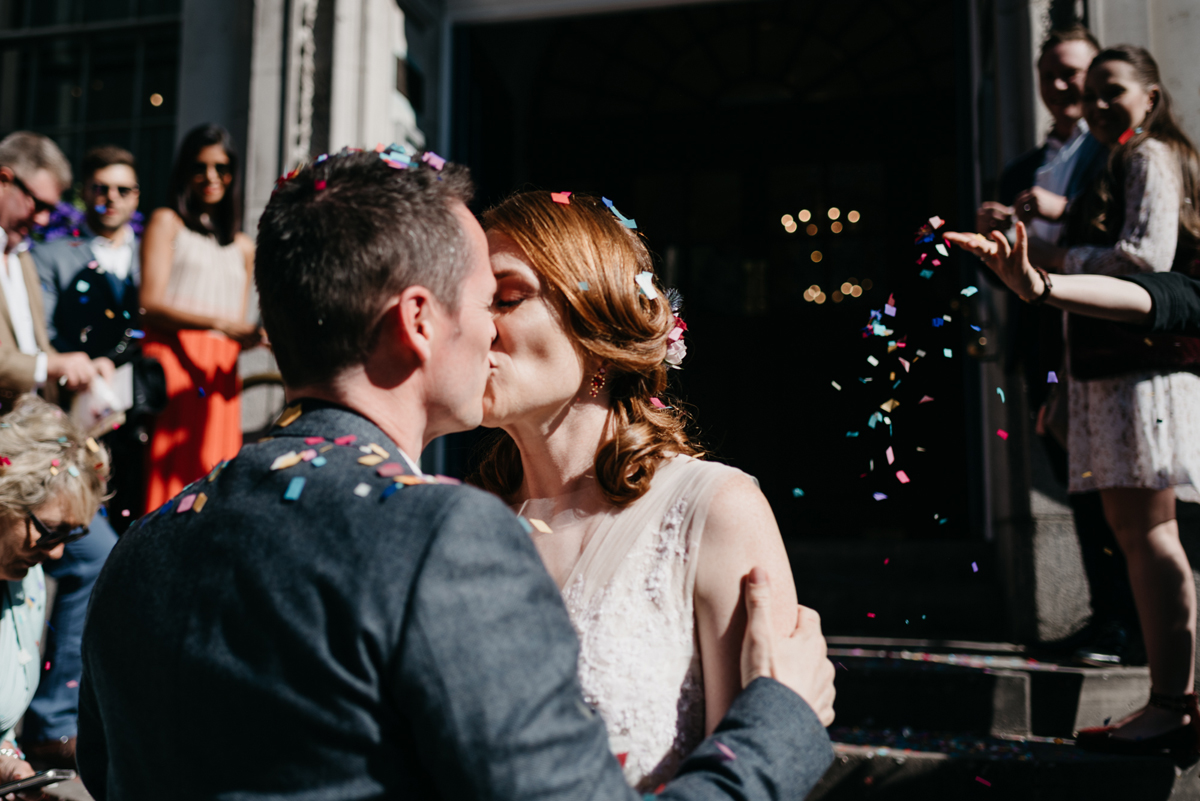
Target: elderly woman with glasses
column 52, row 480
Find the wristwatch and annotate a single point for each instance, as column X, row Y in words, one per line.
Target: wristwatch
column 1042, row 298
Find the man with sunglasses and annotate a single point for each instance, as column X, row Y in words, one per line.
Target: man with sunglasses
column 33, row 174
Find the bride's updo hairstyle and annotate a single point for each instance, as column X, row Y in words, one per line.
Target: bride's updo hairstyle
column 582, row 244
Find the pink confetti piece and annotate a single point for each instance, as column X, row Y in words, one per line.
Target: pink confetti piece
column 904, row 479
column 891, row 457
column 318, row 185
column 905, row 364
column 727, row 751
column 1051, row 378
column 889, row 310
column 390, row 469
column 922, row 257
column 936, row 262
column 888, row 559
column 936, row 222
column 313, row 440
column 186, row 504
column 72, row 684
column 982, row 780
column 433, row 160
column 349, row 439
column 1001, row 433
column 870, row 614
column 974, row 567
column 925, row 399
column 308, row 455
column 657, row 404
column 561, row 197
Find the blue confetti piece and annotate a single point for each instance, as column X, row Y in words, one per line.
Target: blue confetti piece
column 136, row 334
column 896, row 384
column 1051, row 378
column 797, row 493
column 202, row 392
column 927, row 274
column 126, row 314
column 1000, row 392
column 949, row 354
column 82, row 286
column 583, row 286
column 851, row 433
column 969, row 291
column 389, row 491
column 318, row 461
column 295, row 487
column 943, row 521
column 976, row 328
column 166, row 507
column 525, row 525
column 937, row 322
column 83, row 298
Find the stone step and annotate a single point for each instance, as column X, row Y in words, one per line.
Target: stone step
column 897, row 683
column 908, row 764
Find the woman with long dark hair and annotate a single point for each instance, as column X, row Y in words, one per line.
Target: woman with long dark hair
column 1134, row 408
column 196, row 272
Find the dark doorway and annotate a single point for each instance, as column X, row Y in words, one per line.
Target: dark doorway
column 729, row 132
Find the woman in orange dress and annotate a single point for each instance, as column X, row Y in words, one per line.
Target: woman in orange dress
column 197, row 267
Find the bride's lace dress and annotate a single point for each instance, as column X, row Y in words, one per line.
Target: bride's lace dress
column 630, row 599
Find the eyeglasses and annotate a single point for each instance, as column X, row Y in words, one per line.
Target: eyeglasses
column 39, row 205
column 53, row 537
column 124, row 191
column 200, row 168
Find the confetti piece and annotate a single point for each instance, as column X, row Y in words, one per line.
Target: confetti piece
column 349, row 439
column 628, row 223
column 82, row 286
column 294, row 488
column 389, row 470
column 1001, row 433
column 836, row 385
column 376, row 449
column 186, row 503
column 525, row 525
column 326, row 448
column 92, row 445
column 851, row 433
column 55, row 462
column 362, row 490
column 969, row 291
column 888, row 559
column 937, row 322
column 870, row 614
column 889, row 405
column 289, row 416
column 797, row 493
column 318, row 185
column 583, row 286
column 657, row 404
column 540, row 526
column 920, row 353
column 320, row 461
column 905, row 364
column 561, row 197
column 948, row 353
column 1087, row 474
column 124, row 513
column 645, row 282
column 940, row 248
column 621, row 758
column 109, row 314
column 289, row 459
column 203, row 394
column 389, row 491
column 974, row 568
column 217, row 471
column 889, row 310
column 871, row 360
column 982, row 780
column 925, row 399
column 313, row 440
column 308, row 455
column 433, row 160
column 370, row 460
column 201, row 499
column 136, row 334
column 891, row 457
column 927, row 274
column 726, row 751
column 1051, row 378
column 409, row 481
column 73, row 471
column 879, row 496
column 904, row 479
column 72, row 684
column 922, row 257
column 1000, row 392
column 936, row 222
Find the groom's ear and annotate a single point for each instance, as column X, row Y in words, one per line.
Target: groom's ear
column 412, row 322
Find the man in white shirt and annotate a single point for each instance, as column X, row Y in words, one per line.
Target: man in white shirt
column 33, row 175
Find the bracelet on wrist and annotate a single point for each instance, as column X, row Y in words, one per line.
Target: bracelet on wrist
column 1046, row 287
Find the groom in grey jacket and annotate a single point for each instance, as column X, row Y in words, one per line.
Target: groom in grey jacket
column 316, row 619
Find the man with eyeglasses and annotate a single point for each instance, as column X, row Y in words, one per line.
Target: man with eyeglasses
column 33, row 175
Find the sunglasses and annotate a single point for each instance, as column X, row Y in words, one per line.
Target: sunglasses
column 200, row 168
column 39, row 205
column 124, row 191
column 50, row 538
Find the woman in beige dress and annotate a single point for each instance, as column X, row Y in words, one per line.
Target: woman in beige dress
column 648, row 542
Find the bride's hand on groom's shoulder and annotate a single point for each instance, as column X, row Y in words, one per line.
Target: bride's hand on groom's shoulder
column 798, row 661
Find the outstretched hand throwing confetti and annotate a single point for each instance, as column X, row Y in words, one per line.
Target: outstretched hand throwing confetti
column 1011, row 264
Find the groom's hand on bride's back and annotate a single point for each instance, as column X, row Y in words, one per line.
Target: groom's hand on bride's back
column 798, row 661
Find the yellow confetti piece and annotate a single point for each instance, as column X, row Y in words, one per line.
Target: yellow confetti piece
column 409, row 480
column 376, row 449
column 327, row 448
column 289, row 459
column 288, row 417
column 92, row 445
column 201, row 499
column 371, row 459
column 887, row 406
column 54, row 471
column 1088, row 474
column 540, row 526
column 109, row 314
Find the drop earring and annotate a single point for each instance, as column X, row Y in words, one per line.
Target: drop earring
column 597, row 383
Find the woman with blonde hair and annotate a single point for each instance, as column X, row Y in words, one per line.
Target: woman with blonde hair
column 648, row 542
column 52, row 480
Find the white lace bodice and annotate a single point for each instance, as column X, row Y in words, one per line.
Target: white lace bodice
column 630, row 599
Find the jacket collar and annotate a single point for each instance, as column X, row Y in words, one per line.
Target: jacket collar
column 319, row 418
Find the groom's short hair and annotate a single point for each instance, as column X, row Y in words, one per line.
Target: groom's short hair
column 339, row 239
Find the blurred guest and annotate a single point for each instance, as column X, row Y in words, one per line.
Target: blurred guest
column 90, row 288
column 33, row 175
column 51, row 483
column 1134, row 418
column 196, row 268
column 1035, row 188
